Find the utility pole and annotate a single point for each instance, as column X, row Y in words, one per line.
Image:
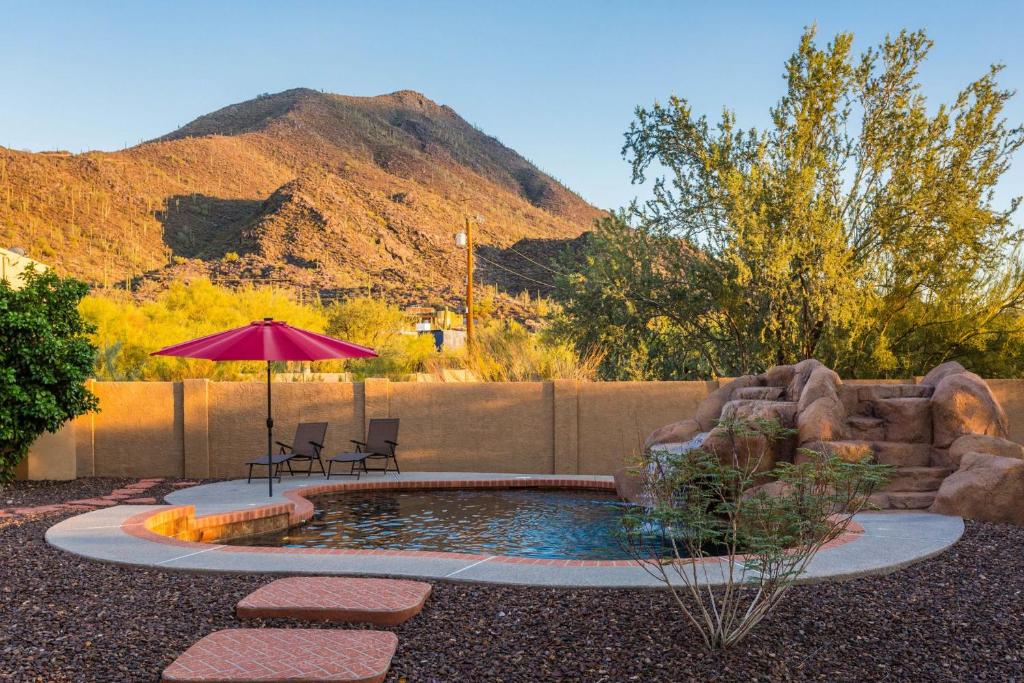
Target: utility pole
column 469, row 283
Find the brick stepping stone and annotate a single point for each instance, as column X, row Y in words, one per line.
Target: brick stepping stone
column 93, row 502
column 141, row 501
column 286, row 654
column 385, row 602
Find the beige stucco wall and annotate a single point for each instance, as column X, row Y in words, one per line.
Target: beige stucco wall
column 138, row 430
column 478, row 427
column 616, row 417
column 237, row 419
column 51, row 456
column 198, row 428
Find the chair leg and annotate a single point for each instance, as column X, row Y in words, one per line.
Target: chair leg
column 321, row 463
column 249, row 481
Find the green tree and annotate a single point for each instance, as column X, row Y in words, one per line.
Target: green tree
column 859, row 228
column 45, row 359
column 384, row 328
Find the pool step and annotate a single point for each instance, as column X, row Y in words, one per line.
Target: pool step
column 271, row 655
column 384, row 602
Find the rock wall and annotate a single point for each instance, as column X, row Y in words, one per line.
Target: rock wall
column 946, row 436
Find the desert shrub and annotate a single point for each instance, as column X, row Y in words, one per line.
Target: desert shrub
column 699, row 504
column 507, row 352
column 384, row 328
column 126, row 332
column 45, row 358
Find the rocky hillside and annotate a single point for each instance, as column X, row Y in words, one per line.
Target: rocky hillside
column 325, row 192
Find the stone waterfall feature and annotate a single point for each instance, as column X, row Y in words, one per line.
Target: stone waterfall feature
column 945, row 436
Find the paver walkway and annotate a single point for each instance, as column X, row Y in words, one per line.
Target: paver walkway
column 128, row 494
column 385, row 602
column 267, row 655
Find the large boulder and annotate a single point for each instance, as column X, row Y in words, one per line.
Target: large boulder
column 980, row 443
column 710, row 409
column 779, row 376
column 940, row 372
column 783, row 412
column 745, row 451
column 963, row 404
column 821, row 383
column 823, row 420
column 630, row 486
column 677, row 432
column 771, row 489
column 989, row 488
column 847, row 451
column 801, row 373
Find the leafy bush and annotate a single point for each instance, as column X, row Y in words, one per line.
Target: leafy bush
column 384, row 328
column 700, row 504
column 507, row 352
column 126, row 332
column 45, row 359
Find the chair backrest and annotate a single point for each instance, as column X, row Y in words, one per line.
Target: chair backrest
column 306, row 432
column 380, row 431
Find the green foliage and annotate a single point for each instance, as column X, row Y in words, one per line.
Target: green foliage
column 858, row 228
column 126, row 332
column 507, row 352
column 384, row 328
column 45, row 359
column 701, row 504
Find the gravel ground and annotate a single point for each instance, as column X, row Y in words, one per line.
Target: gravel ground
column 957, row 617
column 34, row 493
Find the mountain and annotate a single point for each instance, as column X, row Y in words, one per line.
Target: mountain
column 329, row 193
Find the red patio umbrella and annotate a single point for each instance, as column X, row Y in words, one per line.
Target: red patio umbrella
column 268, row 340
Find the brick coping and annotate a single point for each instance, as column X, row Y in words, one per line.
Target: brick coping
column 300, row 508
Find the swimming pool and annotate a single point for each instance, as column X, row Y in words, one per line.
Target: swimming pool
column 520, row 522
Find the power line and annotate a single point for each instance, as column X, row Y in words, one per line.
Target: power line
column 538, row 263
column 517, row 274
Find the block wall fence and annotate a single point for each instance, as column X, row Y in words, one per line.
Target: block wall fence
column 199, row 429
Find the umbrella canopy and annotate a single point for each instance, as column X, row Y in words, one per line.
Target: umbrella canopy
column 268, row 340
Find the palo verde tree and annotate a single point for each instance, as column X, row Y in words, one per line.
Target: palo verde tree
column 859, row 227
column 45, row 359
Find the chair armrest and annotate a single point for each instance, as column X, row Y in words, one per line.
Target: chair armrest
column 359, row 445
column 284, row 446
column 318, row 445
column 392, row 443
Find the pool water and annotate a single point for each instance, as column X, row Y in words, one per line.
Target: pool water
column 522, row 522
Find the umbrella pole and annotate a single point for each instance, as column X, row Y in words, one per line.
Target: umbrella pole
column 270, row 438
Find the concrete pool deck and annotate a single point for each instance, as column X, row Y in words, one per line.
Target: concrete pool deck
column 883, row 542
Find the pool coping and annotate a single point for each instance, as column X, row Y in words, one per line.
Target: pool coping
column 875, row 543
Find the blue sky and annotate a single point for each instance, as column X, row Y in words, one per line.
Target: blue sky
column 557, row 81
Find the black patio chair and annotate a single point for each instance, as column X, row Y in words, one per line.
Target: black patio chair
column 381, row 442
column 308, row 442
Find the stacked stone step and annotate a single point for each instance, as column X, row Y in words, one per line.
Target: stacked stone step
column 894, row 421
